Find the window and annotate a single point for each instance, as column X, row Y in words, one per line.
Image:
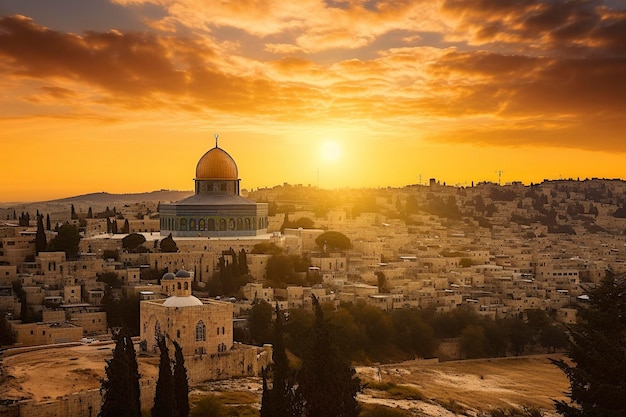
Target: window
column 200, row 332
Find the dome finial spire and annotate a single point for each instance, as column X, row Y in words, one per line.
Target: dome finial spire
column 216, row 137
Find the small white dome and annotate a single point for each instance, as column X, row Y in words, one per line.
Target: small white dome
column 175, row 301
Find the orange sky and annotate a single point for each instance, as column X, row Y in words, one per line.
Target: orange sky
column 125, row 95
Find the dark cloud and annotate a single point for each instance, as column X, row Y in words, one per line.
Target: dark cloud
column 546, row 25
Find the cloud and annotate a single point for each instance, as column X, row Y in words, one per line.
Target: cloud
column 539, row 26
column 533, row 91
column 308, row 25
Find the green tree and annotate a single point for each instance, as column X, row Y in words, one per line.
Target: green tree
column 553, row 337
column 381, row 279
column 280, row 270
column 133, row 241
column 168, row 245
column 120, row 388
column 260, row 322
column 473, row 342
column 109, row 278
column 332, row 241
column 286, row 224
column 48, row 226
column 327, row 382
column 66, row 240
column 181, row 382
column 520, row 335
column 303, row 222
column 6, row 335
column 122, row 312
column 164, row 399
column 598, row 353
column 40, row 238
column 281, row 400
column 243, row 262
column 413, row 334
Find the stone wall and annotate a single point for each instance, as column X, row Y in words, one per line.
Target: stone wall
column 83, row 404
column 241, row 361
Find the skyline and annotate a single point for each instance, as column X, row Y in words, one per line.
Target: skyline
column 124, row 96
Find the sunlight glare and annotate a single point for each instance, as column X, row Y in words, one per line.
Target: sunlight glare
column 330, row 151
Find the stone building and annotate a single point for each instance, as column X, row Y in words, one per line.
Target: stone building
column 203, row 328
column 216, row 209
column 199, row 326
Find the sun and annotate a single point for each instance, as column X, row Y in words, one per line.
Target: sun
column 330, row 151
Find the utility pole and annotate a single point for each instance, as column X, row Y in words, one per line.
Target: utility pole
column 499, row 172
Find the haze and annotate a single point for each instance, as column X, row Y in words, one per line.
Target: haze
column 125, row 95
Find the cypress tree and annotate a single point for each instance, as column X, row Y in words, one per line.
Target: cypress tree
column 120, row 389
column 73, row 213
column 243, row 262
column 40, row 237
column 89, row 213
column 181, row 382
column 48, row 225
column 281, row 400
column 327, row 382
column 598, row 352
column 164, row 399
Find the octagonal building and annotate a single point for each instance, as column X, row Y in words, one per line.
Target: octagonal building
column 216, row 209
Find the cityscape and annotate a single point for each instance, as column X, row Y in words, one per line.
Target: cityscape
column 313, row 209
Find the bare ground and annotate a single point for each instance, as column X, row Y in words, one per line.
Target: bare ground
column 461, row 387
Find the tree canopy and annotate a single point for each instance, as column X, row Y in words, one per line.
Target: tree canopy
column 168, row 245
column 331, row 241
column 327, row 382
column 133, row 241
column 120, row 388
column 598, row 352
column 66, row 240
column 164, row 397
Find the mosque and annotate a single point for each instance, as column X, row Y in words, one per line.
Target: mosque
column 204, row 327
column 216, row 209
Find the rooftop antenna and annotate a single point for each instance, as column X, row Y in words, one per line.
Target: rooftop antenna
column 499, row 177
column 216, row 137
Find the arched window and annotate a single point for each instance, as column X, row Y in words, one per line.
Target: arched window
column 183, row 224
column 222, row 224
column 211, row 224
column 200, row 332
column 186, row 285
column 202, row 224
column 247, row 223
column 192, row 224
column 231, row 224
column 239, row 224
column 179, row 286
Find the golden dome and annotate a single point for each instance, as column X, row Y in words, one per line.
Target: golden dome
column 216, row 164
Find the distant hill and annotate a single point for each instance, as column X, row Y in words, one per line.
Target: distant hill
column 105, row 198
